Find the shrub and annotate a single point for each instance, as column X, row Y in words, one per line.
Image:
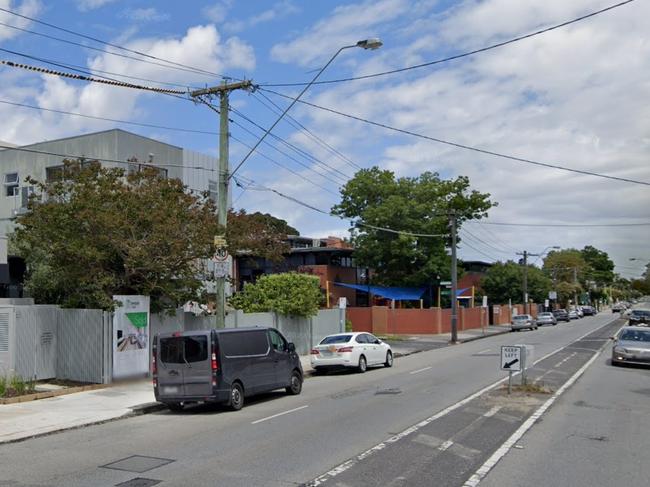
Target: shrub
column 289, row 294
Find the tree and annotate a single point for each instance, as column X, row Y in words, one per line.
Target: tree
column 420, row 205
column 100, row 232
column 258, row 234
column 566, row 265
column 600, row 269
column 504, row 281
column 290, row 293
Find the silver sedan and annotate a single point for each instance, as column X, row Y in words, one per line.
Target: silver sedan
column 632, row 346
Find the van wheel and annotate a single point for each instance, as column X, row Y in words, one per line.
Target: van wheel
column 389, row 359
column 236, row 401
column 295, row 384
column 175, row 406
column 363, row 365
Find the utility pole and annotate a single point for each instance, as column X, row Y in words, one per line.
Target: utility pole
column 223, row 91
column 575, row 282
column 454, row 279
column 525, row 282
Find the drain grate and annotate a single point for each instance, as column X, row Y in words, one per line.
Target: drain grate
column 388, row 391
column 138, row 482
column 137, row 464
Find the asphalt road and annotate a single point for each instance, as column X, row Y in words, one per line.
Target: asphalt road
column 598, row 434
column 280, row 440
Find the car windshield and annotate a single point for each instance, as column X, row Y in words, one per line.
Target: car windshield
column 335, row 339
column 641, row 312
column 521, row 317
column 635, row 335
column 545, row 315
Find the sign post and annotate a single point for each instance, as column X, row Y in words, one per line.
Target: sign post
column 511, row 360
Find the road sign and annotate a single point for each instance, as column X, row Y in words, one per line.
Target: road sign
column 445, row 283
column 220, row 255
column 343, row 302
column 552, row 295
column 222, row 269
column 219, row 241
column 511, row 358
column 485, row 303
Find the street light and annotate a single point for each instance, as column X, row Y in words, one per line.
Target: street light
column 369, row 44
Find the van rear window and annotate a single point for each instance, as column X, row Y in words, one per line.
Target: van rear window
column 179, row 350
column 243, row 343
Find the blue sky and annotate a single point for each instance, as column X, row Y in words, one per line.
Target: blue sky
column 573, row 97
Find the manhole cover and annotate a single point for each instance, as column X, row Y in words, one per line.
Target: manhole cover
column 388, row 391
column 138, row 482
column 138, row 464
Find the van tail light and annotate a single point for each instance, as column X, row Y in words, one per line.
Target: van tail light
column 314, row 351
column 344, row 349
column 154, row 366
column 213, row 362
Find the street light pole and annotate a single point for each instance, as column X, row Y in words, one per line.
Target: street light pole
column 454, row 279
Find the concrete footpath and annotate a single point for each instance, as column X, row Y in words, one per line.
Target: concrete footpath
column 25, row 420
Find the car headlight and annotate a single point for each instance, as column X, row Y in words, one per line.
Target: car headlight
column 620, row 350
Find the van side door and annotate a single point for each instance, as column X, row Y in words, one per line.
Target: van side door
column 197, row 375
column 282, row 358
column 170, row 366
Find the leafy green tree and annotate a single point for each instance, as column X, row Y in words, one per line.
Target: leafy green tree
column 258, row 234
column 98, row 232
column 567, row 265
column 291, row 294
column 600, row 268
column 418, row 205
column 504, row 281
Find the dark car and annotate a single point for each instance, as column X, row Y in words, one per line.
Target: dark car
column 588, row 310
column 561, row 315
column 223, row 366
column 639, row 317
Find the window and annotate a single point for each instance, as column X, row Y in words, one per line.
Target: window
column 335, row 339
column 361, row 339
column 244, row 343
column 171, row 350
column 196, row 349
column 278, row 342
column 11, row 183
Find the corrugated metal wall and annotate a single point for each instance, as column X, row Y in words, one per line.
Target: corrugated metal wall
column 82, row 341
column 36, row 339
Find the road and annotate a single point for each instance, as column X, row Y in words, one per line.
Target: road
column 281, row 440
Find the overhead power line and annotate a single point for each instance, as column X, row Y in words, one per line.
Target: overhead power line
column 462, row 55
column 477, row 239
column 462, row 146
column 82, row 77
column 169, row 65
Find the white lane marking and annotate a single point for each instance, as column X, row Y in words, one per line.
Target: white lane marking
column 492, row 412
column 483, row 351
column 280, row 414
column 564, row 360
column 353, row 461
column 480, row 474
column 420, row 370
column 445, row 445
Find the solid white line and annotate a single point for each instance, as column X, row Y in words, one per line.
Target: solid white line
column 420, row 370
column 483, row 351
column 445, row 445
column 280, row 414
column 480, row 474
column 339, row 469
column 492, row 412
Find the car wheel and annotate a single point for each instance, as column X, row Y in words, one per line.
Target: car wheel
column 236, row 401
column 295, row 384
column 389, row 359
column 175, row 406
column 363, row 364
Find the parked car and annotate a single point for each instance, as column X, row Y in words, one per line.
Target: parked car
column 522, row 322
column 639, row 317
column 546, row 319
column 223, row 366
column 561, row 315
column 618, row 308
column 578, row 310
column 632, row 346
column 588, row 310
column 357, row 350
column 573, row 315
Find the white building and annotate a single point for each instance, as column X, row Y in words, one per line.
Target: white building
column 112, row 148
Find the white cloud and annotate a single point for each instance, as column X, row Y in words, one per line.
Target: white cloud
column 279, row 10
column 28, row 8
column 200, row 46
column 86, row 5
column 145, row 15
column 346, row 25
column 571, row 97
column 218, row 11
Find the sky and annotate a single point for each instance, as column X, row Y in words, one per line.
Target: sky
column 576, row 96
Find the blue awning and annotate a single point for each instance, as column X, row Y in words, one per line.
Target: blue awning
column 395, row 293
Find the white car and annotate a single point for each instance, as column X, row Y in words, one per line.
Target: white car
column 358, row 350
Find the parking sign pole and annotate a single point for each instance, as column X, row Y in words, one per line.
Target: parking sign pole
column 510, row 382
